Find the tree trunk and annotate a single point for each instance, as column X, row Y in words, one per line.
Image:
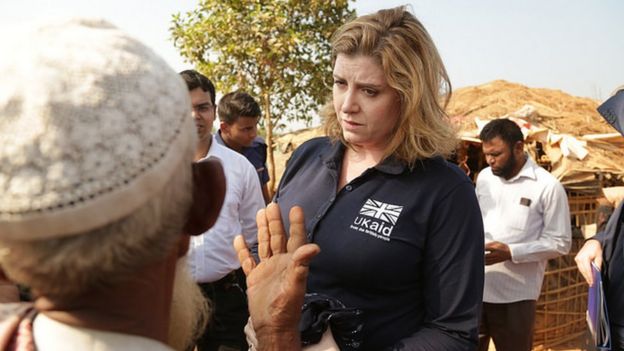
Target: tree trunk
column 268, row 127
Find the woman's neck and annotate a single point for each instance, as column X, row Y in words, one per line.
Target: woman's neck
column 355, row 161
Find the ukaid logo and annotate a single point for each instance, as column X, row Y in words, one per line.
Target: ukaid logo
column 377, row 218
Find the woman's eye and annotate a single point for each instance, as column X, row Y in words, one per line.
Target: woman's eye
column 370, row 92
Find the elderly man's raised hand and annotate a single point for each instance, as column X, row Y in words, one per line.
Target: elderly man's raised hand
column 276, row 285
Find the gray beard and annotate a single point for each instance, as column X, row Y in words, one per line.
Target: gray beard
column 190, row 310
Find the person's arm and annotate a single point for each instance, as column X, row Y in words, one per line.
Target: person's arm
column 590, row 252
column 555, row 238
column 592, row 249
column 453, row 276
column 251, row 202
column 607, row 236
column 276, row 285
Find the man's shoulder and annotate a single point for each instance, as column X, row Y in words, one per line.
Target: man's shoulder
column 258, row 142
column 227, row 155
column 485, row 175
column 545, row 178
column 256, row 152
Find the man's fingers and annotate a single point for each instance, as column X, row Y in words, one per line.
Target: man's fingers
column 297, row 229
column 247, row 262
column 491, row 245
column 264, row 237
column 276, row 229
column 301, row 259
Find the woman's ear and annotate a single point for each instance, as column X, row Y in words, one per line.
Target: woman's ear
column 208, row 195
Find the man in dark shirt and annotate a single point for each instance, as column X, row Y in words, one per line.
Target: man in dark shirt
column 239, row 114
column 608, row 245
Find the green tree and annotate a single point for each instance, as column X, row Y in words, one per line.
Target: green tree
column 277, row 50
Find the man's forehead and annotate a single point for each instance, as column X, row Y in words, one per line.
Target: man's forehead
column 246, row 121
column 200, row 97
column 494, row 143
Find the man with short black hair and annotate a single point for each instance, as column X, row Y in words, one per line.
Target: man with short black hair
column 239, row 114
column 526, row 221
column 212, row 258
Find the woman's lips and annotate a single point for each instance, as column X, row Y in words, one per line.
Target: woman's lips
column 350, row 124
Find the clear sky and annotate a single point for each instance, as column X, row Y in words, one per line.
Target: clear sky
column 573, row 45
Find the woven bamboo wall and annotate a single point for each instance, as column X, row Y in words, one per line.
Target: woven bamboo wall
column 560, row 312
column 560, row 315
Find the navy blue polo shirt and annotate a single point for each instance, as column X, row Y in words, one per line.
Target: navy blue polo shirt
column 256, row 154
column 405, row 246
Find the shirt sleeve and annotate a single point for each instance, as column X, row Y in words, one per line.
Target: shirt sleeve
column 453, row 276
column 251, row 202
column 556, row 236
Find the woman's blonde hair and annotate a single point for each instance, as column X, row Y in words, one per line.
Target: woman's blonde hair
column 414, row 69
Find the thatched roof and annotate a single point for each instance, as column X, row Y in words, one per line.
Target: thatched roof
column 579, row 144
column 551, row 115
column 558, row 111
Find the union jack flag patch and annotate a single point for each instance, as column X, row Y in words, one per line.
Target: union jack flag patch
column 386, row 212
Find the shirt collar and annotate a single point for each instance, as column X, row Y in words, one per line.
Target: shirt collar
column 527, row 171
column 218, row 137
column 333, row 158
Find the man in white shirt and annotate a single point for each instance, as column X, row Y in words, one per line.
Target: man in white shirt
column 212, row 259
column 527, row 221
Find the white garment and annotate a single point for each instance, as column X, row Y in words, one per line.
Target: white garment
column 212, row 255
column 51, row 335
column 530, row 214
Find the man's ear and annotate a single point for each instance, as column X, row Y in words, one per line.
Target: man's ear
column 518, row 148
column 224, row 127
column 208, row 195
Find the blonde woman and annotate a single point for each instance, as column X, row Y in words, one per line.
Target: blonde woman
column 399, row 228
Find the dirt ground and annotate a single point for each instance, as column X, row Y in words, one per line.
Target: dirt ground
column 580, row 344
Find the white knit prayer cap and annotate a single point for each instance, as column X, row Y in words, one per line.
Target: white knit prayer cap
column 92, row 125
